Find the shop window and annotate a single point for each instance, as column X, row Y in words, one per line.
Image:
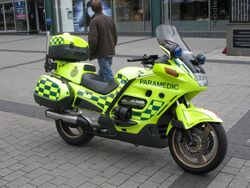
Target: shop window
column 129, row 15
column 190, row 15
column 76, row 14
column 9, row 16
column 32, row 16
column 21, row 16
column 132, row 15
column 1, row 18
column 106, row 9
column 196, row 15
column 219, row 14
column 129, row 11
column 41, row 15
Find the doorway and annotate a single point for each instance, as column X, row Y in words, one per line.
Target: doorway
column 40, row 7
column 36, row 13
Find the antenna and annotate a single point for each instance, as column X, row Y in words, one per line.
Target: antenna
column 48, row 26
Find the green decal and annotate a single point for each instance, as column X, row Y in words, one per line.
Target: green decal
column 74, row 72
column 56, row 40
column 151, row 110
column 46, row 88
column 104, row 101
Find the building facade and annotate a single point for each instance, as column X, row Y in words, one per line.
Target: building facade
column 22, row 16
column 130, row 16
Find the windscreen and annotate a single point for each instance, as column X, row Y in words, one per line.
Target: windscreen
column 166, row 33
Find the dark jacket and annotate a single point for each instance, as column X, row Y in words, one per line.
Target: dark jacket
column 102, row 36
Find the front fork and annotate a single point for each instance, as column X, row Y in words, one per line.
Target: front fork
column 187, row 104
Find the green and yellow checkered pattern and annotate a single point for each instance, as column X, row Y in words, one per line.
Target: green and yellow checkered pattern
column 104, row 101
column 121, row 79
column 56, row 41
column 101, row 101
column 152, row 109
column 47, row 89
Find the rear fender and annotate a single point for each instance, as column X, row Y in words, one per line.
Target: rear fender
column 189, row 117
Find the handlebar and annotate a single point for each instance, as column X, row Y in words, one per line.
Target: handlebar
column 144, row 58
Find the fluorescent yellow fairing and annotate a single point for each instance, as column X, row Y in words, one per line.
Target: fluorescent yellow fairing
column 51, row 88
column 66, row 38
column 193, row 116
column 71, row 71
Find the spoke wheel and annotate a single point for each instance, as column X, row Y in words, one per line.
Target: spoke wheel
column 203, row 152
column 71, row 134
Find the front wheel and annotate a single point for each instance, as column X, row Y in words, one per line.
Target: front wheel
column 200, row 149
column 72, row 135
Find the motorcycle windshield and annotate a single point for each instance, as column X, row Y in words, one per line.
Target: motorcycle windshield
column 168, row 33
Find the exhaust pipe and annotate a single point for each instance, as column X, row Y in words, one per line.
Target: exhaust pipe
column 75, row 120
column 61, row 116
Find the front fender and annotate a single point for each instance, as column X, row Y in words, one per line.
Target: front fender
column 192, row 116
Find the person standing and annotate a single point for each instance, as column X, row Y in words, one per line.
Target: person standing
column 102, row 40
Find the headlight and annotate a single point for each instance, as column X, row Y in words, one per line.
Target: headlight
column 202, row 79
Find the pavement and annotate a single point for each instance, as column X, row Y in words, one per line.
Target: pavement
column 33, row 155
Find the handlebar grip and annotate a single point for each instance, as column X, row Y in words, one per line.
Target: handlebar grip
column 144, row 58
column 148, row 62
column 133, row 60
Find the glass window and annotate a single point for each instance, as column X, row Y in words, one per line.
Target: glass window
column 190, row 15
column 147, row 16
column 194, row 15
column 129, row 15
column 219, row 14
column 106, row 9
column 32, row 15
column 9, row 16
column 21, row 16
column 41, row 15
column 132, row 15
column 78, row 15
column 1, row 18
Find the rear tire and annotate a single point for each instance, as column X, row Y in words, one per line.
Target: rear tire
column 206, row 152
column 71, row 135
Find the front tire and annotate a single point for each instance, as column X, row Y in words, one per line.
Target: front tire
column 203, row 152
column 72, row 135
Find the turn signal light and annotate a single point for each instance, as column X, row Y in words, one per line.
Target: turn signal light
column 171, row 72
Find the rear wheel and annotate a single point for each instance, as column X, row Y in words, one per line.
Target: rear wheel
column 71, row 134
column 201, row 149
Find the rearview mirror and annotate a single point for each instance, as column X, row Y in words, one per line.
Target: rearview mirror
column 201, row 59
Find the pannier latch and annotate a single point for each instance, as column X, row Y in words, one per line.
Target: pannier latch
column 49, row 65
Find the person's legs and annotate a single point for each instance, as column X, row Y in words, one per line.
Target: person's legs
column 105, row 68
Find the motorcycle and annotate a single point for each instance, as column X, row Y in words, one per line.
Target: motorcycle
column 149, row 106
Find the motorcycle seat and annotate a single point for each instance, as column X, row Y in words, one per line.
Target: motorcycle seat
column 96, row 83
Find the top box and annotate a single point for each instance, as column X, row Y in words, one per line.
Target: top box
column 69, row 48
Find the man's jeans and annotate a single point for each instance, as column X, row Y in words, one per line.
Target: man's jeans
column 105, row 71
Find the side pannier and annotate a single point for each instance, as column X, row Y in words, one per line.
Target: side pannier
column 66, row 47
column 53, row 93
